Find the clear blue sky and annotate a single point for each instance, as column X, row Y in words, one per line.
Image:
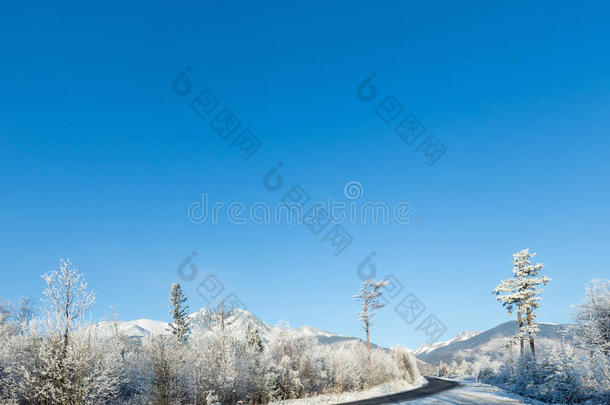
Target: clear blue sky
column 99, row 159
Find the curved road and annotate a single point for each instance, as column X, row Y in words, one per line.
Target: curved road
column 434, row 386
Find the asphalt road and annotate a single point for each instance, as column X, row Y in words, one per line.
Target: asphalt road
column 434, row 386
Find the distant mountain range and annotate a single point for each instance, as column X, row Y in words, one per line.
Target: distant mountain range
column 238, row 320
column 468, row 345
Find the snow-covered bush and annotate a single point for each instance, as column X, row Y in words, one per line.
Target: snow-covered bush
column 407, row 366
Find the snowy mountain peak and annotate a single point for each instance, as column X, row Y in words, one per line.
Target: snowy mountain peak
column 469, row 345
column 429, row 347
column 310, row 331
column 238, row 320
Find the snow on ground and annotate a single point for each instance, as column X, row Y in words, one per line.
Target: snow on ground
column 474, row 394
column 467, row 394
column 391, row 387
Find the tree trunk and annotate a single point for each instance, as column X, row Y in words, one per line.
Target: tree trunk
column 520, row 320
column 366, row 326
column 529, row 323
column 368, row 343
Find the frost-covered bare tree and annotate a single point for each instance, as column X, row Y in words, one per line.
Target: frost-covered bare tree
column 66, row 301
column 8, row 350
column 220, row 346
column 168, row 363
column 5, row 312
column 24, row 311
column 593, row 319
column 593, row 316
column 523, row 293
column 369, row 295
column 59, row 360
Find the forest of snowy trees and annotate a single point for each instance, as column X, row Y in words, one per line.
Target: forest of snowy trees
column 566, row 373
column 56, row 357
column 53, row 355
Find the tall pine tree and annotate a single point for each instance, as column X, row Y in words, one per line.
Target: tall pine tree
column 179, row 311
column 523, row 292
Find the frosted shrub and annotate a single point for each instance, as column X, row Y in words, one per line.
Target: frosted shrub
column 383, row 368
column 167, row 361
column 347, row 368
column 406, row 363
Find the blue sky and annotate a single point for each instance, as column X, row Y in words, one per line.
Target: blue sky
column 99, row 159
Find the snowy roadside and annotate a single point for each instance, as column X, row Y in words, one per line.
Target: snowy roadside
column 470, row 393
column 388, row 388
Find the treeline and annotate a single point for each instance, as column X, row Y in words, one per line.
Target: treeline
column 56, row 357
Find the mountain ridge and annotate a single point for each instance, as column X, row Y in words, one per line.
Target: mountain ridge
column 491, row 342
column 239, row 319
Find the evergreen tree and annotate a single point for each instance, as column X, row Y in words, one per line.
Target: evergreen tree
column 255, row 342
column 179, row 311
column 508, row 294
column 529, row 282
column 523, row 292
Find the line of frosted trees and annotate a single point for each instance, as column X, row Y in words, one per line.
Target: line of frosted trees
column 57, row 357
column 578, row 371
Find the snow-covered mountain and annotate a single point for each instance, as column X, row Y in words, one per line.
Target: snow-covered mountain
column 239, row 320
column 430, row 347
column 490, row 342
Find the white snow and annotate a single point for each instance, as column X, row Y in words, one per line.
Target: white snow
column 429, row 347
column 132, row 329
column 473, row 394
column 239, row 320
column 388, row 388
column 467, row 394
column 309, row 331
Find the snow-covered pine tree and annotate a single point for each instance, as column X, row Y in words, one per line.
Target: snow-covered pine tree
column 523, row 292
column 253, row 365
column 179, row 311
column 529, row 286
column 507, row 292
column 255, row 342
column 369, row 295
